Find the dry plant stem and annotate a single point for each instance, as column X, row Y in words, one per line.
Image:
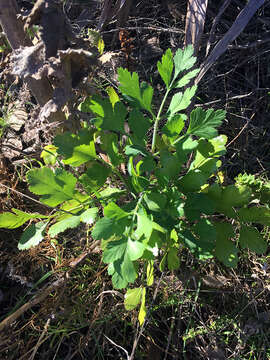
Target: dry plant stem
column 195, row 20
column 147, row 28
column 236, row 28
column 44, row 292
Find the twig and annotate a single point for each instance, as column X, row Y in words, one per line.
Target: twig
column 120, row 347
column 236, row 97
column 240, row 132
column 40, row 340
column 155, row 28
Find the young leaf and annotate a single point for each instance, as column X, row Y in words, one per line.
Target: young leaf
column 165, row 67
column 150, row 273
column 225, row 249
column 85, row 106
column 113, row 96
column 61, row 226
column 32, row 236
column 186, row 78
column 142, row 312
column 250, row 238
column 183, row 60
column 76, row 149
column 204, row 123
column 55, row 187
column 49, row 154
column 16, row 219
column 181, row 101
column 133, row 298
column 129, row 83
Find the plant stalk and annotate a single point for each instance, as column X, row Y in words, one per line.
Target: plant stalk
column 157, row 120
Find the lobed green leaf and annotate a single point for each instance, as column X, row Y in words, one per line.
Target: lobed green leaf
column 203, row 123
column 54, row 187
column 165, row 67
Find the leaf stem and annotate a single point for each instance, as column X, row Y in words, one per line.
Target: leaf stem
column 157, row 120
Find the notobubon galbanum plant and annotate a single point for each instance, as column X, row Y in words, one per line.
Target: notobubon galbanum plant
column 159, row 187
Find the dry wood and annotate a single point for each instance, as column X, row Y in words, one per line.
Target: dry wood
column 13, row 28
column 195, row 20
column 237, row 27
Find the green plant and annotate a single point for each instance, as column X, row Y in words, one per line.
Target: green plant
column 157, row 196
